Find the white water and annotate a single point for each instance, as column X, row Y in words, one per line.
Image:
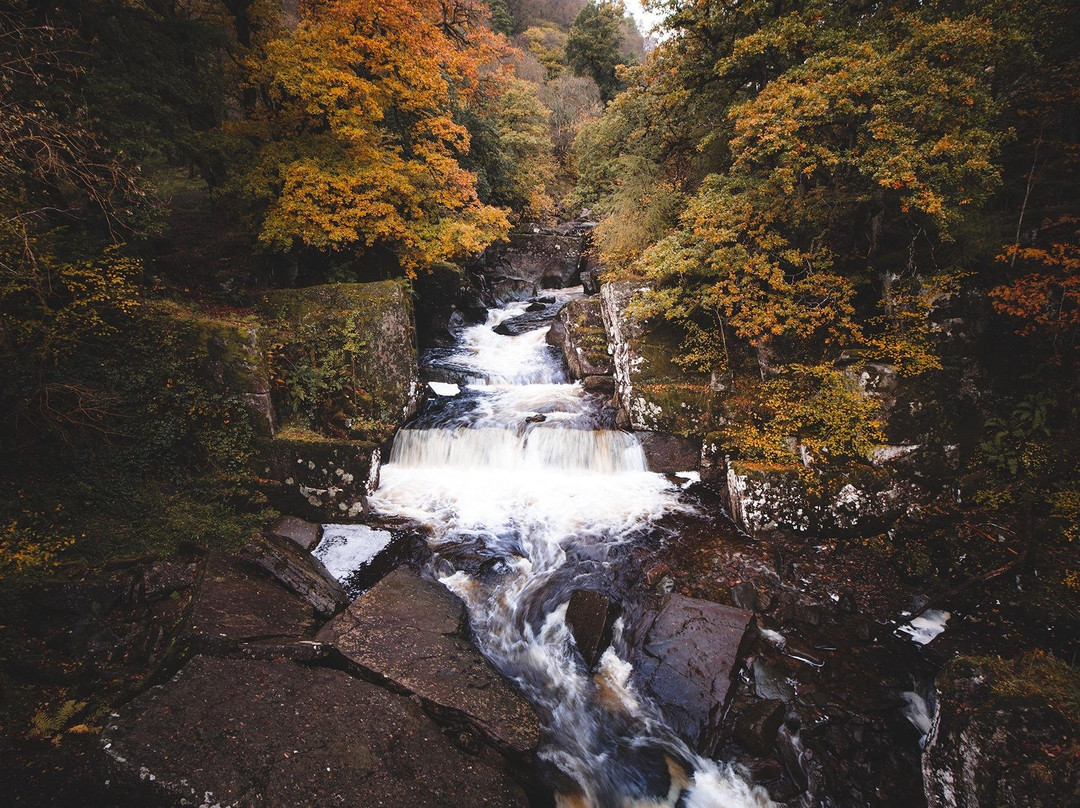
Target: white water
column 543, row 503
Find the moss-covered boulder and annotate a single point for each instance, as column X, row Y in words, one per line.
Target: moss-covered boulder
column 837, row 499
column 585, row 345
column 344, row 357
column 1004, row 734
column 228, row 357
column 318, row 478
column 654, row 393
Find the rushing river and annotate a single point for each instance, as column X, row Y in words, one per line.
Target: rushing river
column 528, row 493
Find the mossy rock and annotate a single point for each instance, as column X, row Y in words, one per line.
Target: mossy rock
column 229, row 356
column 307, row 475
column 586, row 345
column 347, row 358
column 1004, row 734
column 655, row 394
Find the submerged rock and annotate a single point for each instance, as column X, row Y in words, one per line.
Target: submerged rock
column 410, row 632
column 691, row 653
column 276, row 734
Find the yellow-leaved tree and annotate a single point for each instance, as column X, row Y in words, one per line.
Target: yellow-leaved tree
column 356, row 142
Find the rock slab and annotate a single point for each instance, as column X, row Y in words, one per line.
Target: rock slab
column 690, row 655
column 411, row 633
column 274, row 734
column 237, row 604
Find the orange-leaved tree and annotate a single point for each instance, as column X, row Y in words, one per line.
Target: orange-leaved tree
column 357, row 146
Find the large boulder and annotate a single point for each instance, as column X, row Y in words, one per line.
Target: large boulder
column 668, row 453
column 228, row 356
column 412, row 634
column 274, row 734
column 447, row 299
column 654, row 393
column 1000, row 740
column 520, row 267
column 318, row 478
column 840, row 499
column 359, row 337
column 302, row 533
column 691, row 653
column 585, row 344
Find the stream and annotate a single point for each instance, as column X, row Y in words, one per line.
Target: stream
column 527, row 493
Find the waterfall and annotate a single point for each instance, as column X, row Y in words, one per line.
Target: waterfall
column 518, row 468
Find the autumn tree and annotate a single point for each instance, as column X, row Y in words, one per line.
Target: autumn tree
column 357, row 145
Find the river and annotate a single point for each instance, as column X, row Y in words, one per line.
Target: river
column 527, row 493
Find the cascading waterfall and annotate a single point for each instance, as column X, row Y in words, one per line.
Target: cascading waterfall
column 518, row 475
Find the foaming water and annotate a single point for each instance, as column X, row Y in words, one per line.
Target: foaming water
column 517, row 482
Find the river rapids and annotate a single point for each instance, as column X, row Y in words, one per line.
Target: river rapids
column 527, row 491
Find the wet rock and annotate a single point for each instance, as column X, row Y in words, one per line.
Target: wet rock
column 769, row 683
column 531, row 320
column 586, row 342
column 988, row 748
column 656, row 573
column 447, row 300
column 409, row 632
column 591, row 618
column 691, row 652
column 298, row 571
column 237, row 603
column 303, row 533
column 794, row 756
column 847, row 603
column 590, row 269
column 277, row 734
column 745, row 596
column 667, row 453
column 556, row 335
column 756, row 728
column 762, row 771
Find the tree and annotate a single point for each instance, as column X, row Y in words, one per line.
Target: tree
column 594, row 45
column 358, row 147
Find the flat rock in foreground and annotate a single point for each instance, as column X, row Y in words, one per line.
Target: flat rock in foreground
column 691, row 652
column 410, row 632
column 275, row 734
column 238, row 603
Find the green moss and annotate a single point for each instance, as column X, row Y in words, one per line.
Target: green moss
column 343, row 357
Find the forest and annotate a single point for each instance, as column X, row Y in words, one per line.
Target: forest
column 796, row 189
